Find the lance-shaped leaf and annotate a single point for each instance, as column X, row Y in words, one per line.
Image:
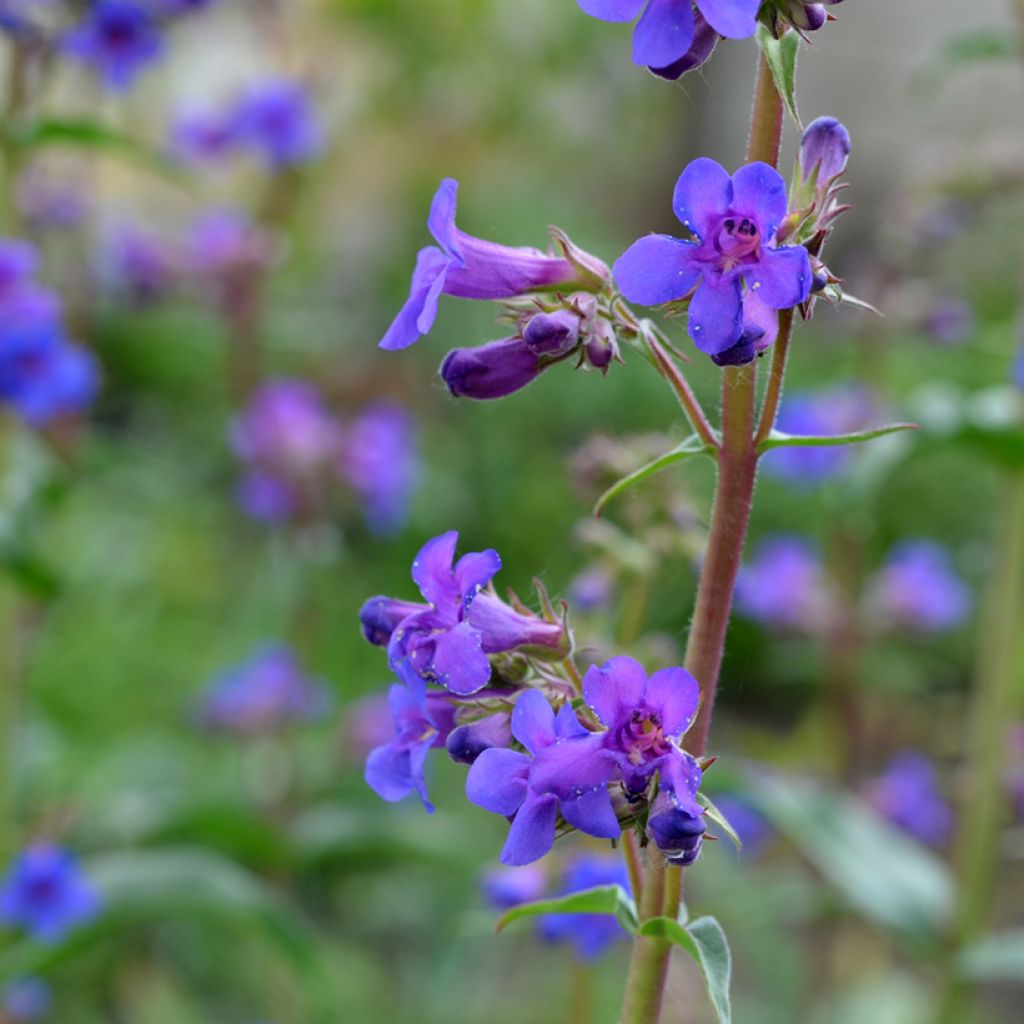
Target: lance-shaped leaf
column 692, row 446
column 705, row 941
column 712, row 812
column 602, row 899
column 778, row 439
column 781, row 57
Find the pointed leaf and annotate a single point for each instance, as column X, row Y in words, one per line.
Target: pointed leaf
column 781, row 57
column 778, row 439
column 602, row 899
column 705, row 941
column 720, row 819
column 692, row 446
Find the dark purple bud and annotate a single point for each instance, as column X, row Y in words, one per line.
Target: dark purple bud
column 553, row 334
column 825, row 145
column 809, row 17
column 380, row 616
column 819, row 280
column 705, row 38
column 601, row 347
column 493, row 370
column 676, row 833
column 743, row 352
column 467, row 742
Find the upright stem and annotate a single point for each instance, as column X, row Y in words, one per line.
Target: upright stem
column 734, row 490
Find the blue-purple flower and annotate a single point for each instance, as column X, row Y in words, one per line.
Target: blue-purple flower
column 26, row 999
column 276, row 120
column 469, row 268
column 267, row 498
column 670, row 33
column 566, row 770
column 747, row 822
column 824, row 149
column 138, row 264
column 266, row 692
column 733, row 273
column 918, row 589
column 202, row 135
column 504, row 888
column 908, row 795
column 117, row 39
column 46, row 893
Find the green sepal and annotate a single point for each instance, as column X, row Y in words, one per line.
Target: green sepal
column 692, row 446
column 778, row 439
column 602, row 899
column 781, row 57
column 719, row 819
column 705, row 941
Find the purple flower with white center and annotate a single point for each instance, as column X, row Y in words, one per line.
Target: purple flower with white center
column 591, row 935
column 266, row 692
column 784, row 586
column 668, row 31
column 266, row 498
column 46, row 893
column 504, row 888
column 468, row 268
column 277, row 121
column 737, row 276
column 422, row 721
column 202, row 135
column 567, row 770
column 918, row 589
column 378, row 460
column 118, row 39
column 26, row 999
column 908, row 795
column 824, row 149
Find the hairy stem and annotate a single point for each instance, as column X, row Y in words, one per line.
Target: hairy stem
column 684, row 393
column 776, row 375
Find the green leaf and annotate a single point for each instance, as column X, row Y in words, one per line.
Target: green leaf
column 692, row 446
column 705, row 941
column 603, row 899
column 973, row 47
column 781, row 57
column 1002, row 445
column 719, row 819
column 778, row 439
column 998, row 957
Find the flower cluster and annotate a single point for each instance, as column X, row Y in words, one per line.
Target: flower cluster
column 46, row 893
column 266, row 692
column 487, row 680
column 296, row 451
column 43, row 375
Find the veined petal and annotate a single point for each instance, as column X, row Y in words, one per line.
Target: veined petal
column 533, row 722
column 533, row 831
column 474, row 570
column 782, row 277
column 675, row 695
column 432, row 569
column 441, row 220
column 614, row 689
column 567, row 725
column 612, row 10
column 664, row 33
column 716, row 316
column 417, row 316
column 657, row 269
column 497, row 780
column 593, row 813
column 459, row 662
column 702, row 194
column 758, row 192
column 734, row 19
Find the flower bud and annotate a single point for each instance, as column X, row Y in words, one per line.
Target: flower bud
column 502, row 628
column 601, row 346
column 380, row 616
column 677, row 833
column 552, row 334
column 825, row 145
column 467, row 742
column 809, row 17
column 493, row 370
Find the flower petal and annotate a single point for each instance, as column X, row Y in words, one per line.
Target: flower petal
column 657, row 269
column 497, row 780
column 432, row 569
column 441, row 220
column 390, row 772
column 705, row 38
column 533, row 722
column 612, row 10
column 734, row 19
column 593, row 813
column 416, row 317
column 664, row 33
column 474, row 570
column 782, row 277
column 532, row 833
column 614, row 689
column 759, row 192
column 760, row 321
column 567, row 725
column 716, row 316
column 681, row 777
column 503, row 628
column 675, row 695
column 703, row 193
column 459, row 662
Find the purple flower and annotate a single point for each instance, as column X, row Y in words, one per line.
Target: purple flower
column 202, row 135
column 48, row 203
column 566, row 769
column 504, row 888
column 26, row 999
column 592, row 589
column 19, row 262
column 677, row 827
column 749, row 824
column 824, row 150
column 469, row 268
column 918, row 589
column 734, row 221
column 266, row 692
column 668, row 31
column 422, row 721
column 784, row 586
column 590, row 934
column 47, row 893
column 224, row 241
column 368, row 724
column 949, row 320
column 276, row 120
column 117, row 38
column 803, row 15
column 267, row 498
column 138, row 264
column 378, row 460
column 908, row 795
column 467, row 742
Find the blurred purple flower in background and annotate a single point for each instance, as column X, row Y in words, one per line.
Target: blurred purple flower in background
column 592, row 590
column 591, row 935
column 267, row 498
column 908, row 795
column 918, row 589
column 117, row 39
column 222, row 241
column 49, row 203
column 949, row 320
column 276, row 120
column 46, row 893
column 368, row 723
column 783, row 586
column 504, row 888
column 202, row 134
column 749, row 824
column 26, row 999
column 378, row 461
column 137, row 263
column 266, row 692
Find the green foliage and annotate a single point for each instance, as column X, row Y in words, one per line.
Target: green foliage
column 781, row 55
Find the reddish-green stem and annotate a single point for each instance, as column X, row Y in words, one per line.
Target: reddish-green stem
column 684, row 393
